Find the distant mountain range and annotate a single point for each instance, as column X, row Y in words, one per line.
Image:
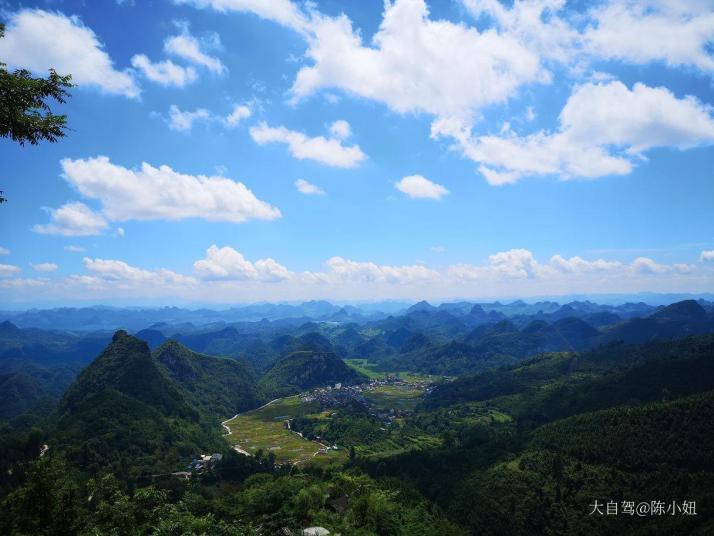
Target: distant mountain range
column 176, row 319
column 37, row 365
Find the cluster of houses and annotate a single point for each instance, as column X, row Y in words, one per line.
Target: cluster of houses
column 332, row 397
column 199, row 465
column 205, row 462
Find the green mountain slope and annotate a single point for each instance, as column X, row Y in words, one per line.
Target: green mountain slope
column 304, row 370
column 18, row 393
column 220, row 387
column 125, row 414
column 659, row 452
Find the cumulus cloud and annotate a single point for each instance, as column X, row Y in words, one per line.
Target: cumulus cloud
column 240, row 112
column 515, row 263
column 340, row 129
column 23, row 283
column 6, row 270
column 308, row 188
column 4, row 251
column 44, row 266
column 225, row 275
column 39, row 40
column 536, row 24
column 522, row 264
column 151, row 193
column 227, row 263
column 74, row 249
column 415, row 64
column 575, row 265
column 676, row 33
column 188, row 48
column 283, row 12
column 120, row 272
column 73, row 219
column 165, row 73
column 645, row 265
column 418, row 187
column 330, row 151
column 371, row 272
column 604, row 127
column 707, row 256
column 183, row 121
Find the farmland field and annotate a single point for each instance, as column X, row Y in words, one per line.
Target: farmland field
column 264, row 429
column 398, row 397
column 369, row 369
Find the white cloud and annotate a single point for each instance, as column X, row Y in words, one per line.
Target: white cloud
column 150, row 193
column 515, row 263
column 707, row 256
column 227, row 263
column 39, row 40
column 522, row 264
column 675, row 32
column 44, row 267
column 121, row 272
column 239, row 113
column 188, row 48
column 579, row 265
column 183, row 121
column 604, row 127
column 371, row 272
column 224, row 275
column 535, row 24
column 416, row 64
column 418, row 187
column 308, row 188
column 340, row 129
column 23, row 283
column 74, row 249
column 283, row 12
column 6, row 270
column 165, row 73
column 330, row 152
column 4, row 251
column 437, row 249
column 644, row 265
column 73, row 219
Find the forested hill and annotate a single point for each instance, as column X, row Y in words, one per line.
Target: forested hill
column 557, row 385
column 125, row 414
column 299, row 371
column 220, row 386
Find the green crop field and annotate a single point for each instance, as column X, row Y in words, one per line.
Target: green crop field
column 398, row 397
column 264, row 429
column 368, row 368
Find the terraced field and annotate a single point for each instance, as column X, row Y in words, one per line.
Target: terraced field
column 264, row 429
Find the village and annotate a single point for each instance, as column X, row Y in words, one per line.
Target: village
column 366, row 394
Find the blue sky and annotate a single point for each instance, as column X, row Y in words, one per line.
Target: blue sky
column 225, row 151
